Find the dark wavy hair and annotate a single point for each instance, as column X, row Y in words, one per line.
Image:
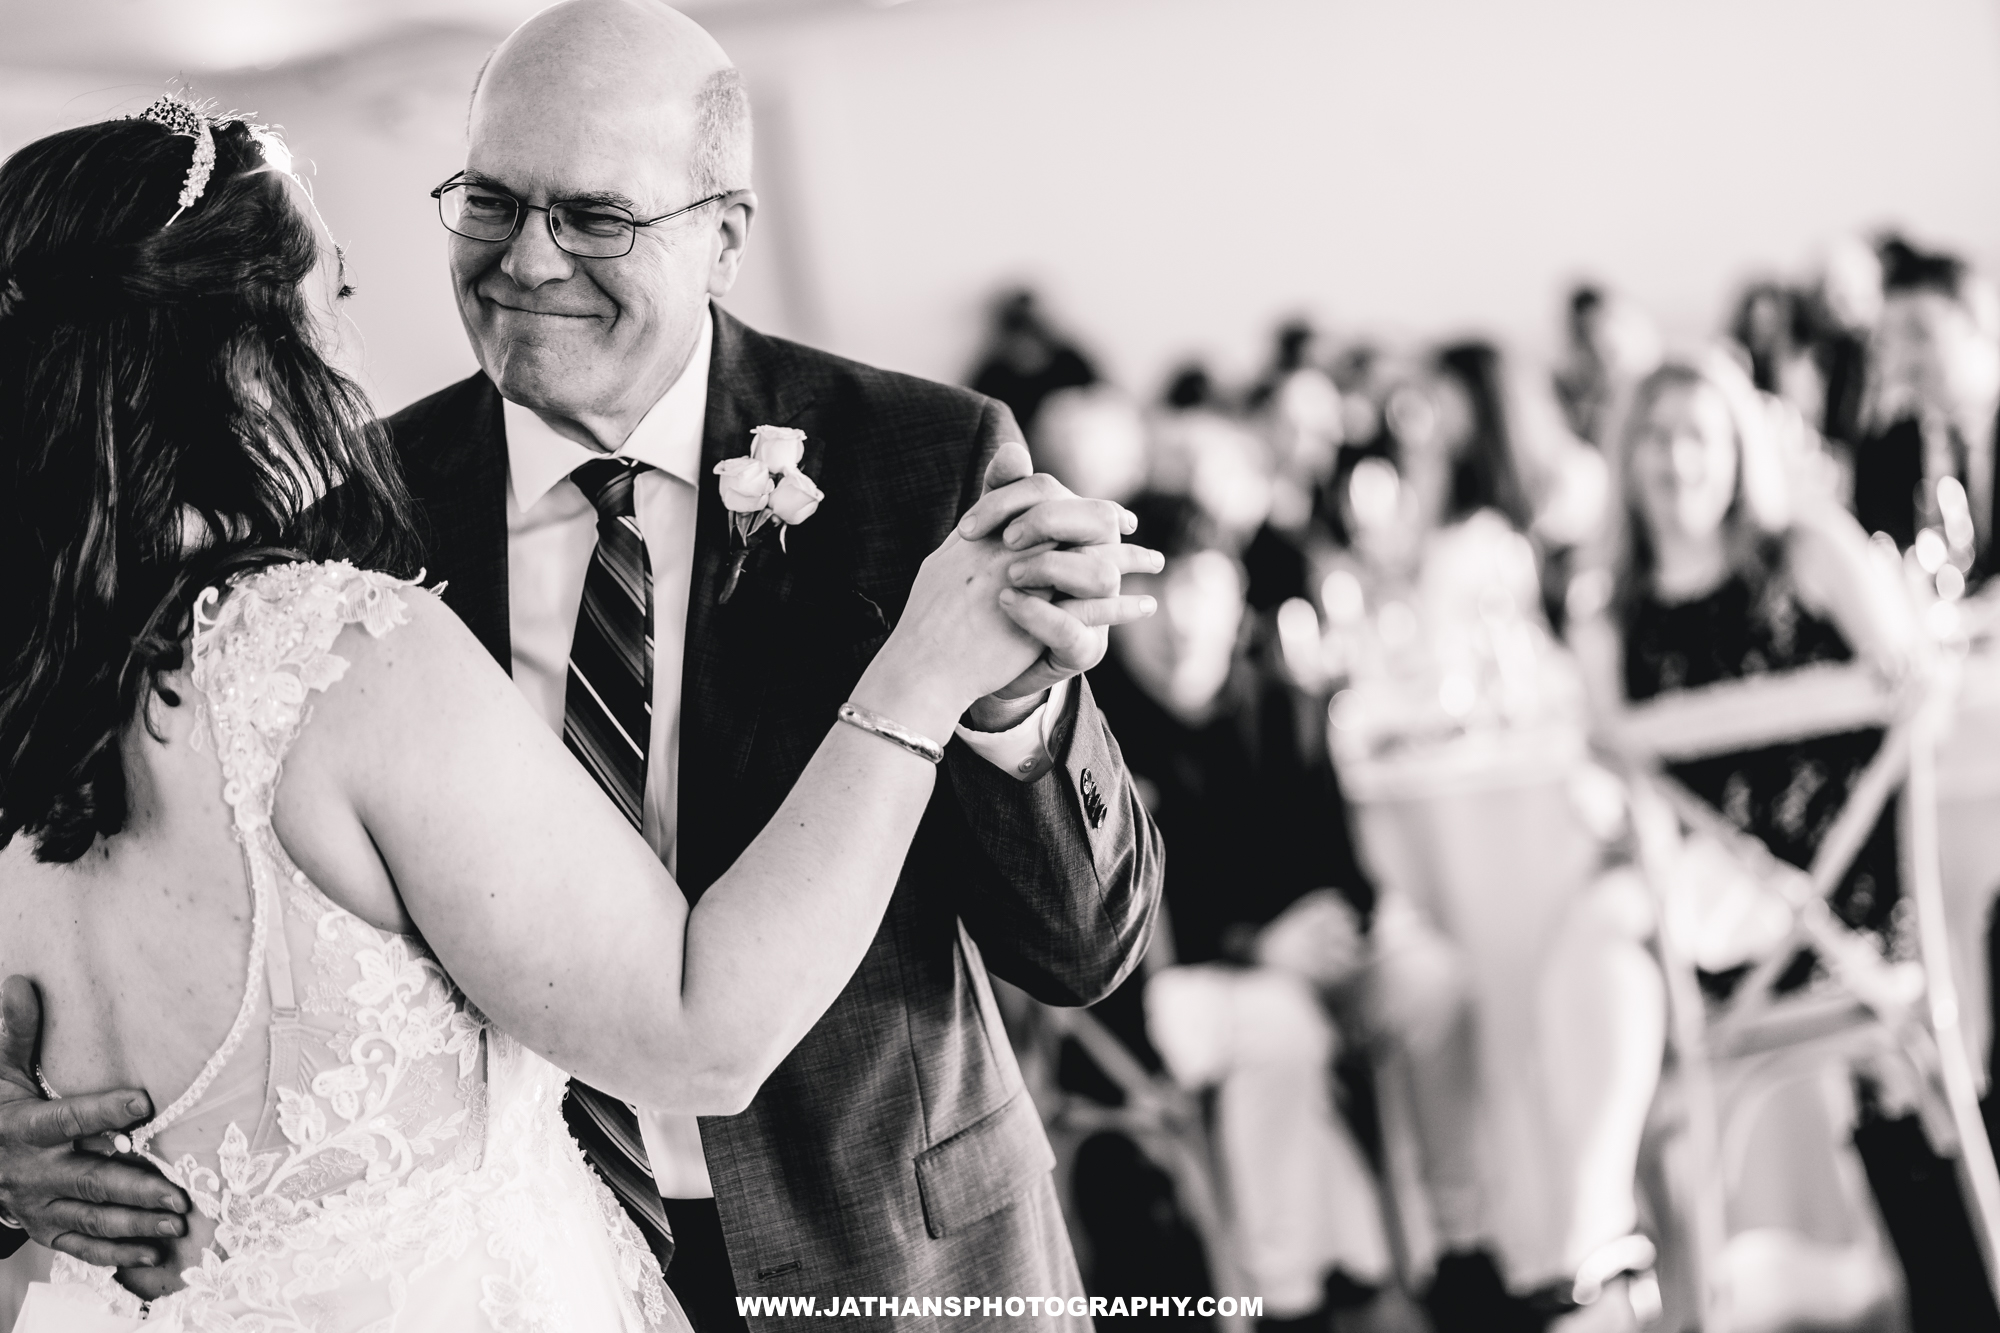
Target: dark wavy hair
column 1484, row 473
column 167, row 421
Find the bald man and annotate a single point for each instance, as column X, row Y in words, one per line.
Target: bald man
column 605, row 203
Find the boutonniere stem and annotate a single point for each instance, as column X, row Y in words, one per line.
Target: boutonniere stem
column 765, row 490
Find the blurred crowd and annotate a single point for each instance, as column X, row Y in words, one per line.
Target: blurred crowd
column 1389, row 567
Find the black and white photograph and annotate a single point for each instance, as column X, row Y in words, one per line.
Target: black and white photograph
column 874, row 666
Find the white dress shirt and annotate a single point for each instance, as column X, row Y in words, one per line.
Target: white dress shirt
column 551, row 535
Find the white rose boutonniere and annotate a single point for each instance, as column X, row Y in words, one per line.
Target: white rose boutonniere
column 794, row 500
column 746, row 485
column 765, row 489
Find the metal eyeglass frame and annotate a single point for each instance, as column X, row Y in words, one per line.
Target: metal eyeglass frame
column 522, row 208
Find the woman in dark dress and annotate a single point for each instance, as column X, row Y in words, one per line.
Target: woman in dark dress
column 1719, row 574
column 1787, row 796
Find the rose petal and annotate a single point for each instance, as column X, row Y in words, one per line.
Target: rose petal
column 796, row 497
column 778, row 447
column 746, row 484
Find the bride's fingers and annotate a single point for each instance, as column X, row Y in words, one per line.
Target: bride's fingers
column 1073, row 630
column 1132, row 559
column 1071, row 520
column 1001, row 504
column 1097, row 612
column 1089, row 571
column 1071, row 573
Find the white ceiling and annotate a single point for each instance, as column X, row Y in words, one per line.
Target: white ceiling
column 202, row 36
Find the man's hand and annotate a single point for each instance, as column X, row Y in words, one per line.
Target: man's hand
column 1073, row 557
column 82, row 1203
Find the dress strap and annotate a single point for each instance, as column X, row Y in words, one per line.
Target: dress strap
column 277, row 957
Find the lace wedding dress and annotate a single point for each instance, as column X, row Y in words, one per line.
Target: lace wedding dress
column 375, row 1156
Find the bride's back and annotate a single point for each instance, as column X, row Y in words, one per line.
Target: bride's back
column 168, row 420
column 201, row 531
column 138, row 946
column 292, row 1049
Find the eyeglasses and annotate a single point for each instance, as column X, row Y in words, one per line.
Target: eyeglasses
column 481, row 212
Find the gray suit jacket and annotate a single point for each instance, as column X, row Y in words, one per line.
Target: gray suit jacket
column 895, row 1151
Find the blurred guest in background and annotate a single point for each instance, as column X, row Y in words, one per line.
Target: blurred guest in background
column 1190, row 386
column 1721, row 572
column 1583, row 380
column 1933, row 396
column 1189, row 412
column 1771, row 325
column 1611, row 343
column 1513, row 429
column 1438, row 629
column 1294, row 347
column 1474, row 430
column 1845, row 302
column 1299, row 411
column 1479, row 448
column 1026, row 359
column 1094, row 434
column 1208, row 452
column 1357, row 373
column 1257, row 831
column 1256, row 820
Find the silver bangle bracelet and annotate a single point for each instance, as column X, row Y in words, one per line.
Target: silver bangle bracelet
column 876, row 725
column 7, row 1220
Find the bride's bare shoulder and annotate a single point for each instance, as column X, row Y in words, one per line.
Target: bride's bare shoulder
column 417, row 659
column 403, row 701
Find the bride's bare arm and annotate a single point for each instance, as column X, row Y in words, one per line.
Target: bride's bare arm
column 555, row 917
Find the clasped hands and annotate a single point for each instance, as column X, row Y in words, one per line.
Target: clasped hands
column 1066, row 582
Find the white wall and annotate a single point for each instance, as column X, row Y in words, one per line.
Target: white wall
column 1178, row 173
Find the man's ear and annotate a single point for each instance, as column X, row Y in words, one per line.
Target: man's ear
column 732, row 231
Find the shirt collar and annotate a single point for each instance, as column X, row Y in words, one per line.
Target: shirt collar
column 668, row 437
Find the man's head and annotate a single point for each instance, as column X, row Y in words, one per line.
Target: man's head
column 620, row 102
column 1182, row 657
column 1937, row 342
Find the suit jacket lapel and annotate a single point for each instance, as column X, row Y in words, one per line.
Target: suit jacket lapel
column 723, row 670
column 457, row 470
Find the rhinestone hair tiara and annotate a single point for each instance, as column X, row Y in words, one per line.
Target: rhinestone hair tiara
column 178, row 115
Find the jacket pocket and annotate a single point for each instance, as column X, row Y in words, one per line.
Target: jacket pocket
column 984, row 1167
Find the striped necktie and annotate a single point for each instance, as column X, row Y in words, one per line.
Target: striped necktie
column 607, row 725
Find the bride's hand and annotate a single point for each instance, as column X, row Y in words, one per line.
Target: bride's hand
column 958, row 639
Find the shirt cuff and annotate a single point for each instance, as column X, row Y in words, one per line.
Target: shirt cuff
column 1023, row 750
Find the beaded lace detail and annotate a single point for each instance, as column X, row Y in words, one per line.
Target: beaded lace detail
column 416, row 1156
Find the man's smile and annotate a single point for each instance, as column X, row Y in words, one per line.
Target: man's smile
column 551, row 314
